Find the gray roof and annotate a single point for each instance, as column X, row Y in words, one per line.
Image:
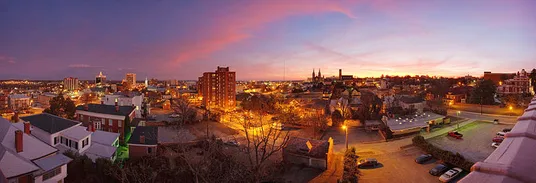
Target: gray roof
column 76, row 133
column 33, row 148
column 412, row 122
column 49, row 123
column 105, row 138
column 97, row 150
column 52, row 162
column 297, row 145
column 107, row 109
column 411, row 100
column 150, row 133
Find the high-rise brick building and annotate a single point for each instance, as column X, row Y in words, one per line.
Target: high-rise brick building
column 218, row 88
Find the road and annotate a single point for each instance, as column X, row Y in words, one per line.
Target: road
column 485, row 117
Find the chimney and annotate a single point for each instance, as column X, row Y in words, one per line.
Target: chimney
column 116, row 106
column 142, row 139
column 18, row 141
column 27, row 128
column 340, row 74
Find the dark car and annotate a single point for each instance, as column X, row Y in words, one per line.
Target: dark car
column 455, row 134
column 497, row 139
column 423, row 158
column 438, row 169
column 369, row 162
column 506, row 130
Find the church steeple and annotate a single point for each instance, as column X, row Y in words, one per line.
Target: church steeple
column 319, row 73
column 313, row 74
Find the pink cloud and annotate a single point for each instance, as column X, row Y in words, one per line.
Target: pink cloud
column 237, row 25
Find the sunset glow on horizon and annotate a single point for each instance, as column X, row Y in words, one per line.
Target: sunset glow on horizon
column 265, row 40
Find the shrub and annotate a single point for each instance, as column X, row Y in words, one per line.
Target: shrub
column 350, row 173
column 447, row 156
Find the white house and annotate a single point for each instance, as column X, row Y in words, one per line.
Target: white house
column 65, row 134
column 24, row 158
column 123, row 99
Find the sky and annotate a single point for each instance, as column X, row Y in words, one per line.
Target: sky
column 264, row 40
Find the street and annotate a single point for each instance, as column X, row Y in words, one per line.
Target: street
column 484, row 117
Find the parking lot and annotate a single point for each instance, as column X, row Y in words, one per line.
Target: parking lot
column 398, row 167
column 476, row 142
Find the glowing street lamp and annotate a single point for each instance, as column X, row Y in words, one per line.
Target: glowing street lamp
column 346, row 134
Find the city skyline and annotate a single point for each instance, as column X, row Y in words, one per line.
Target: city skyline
column 263, row 40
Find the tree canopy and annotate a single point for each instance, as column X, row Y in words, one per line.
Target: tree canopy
column 484, row 93
column 63, row 107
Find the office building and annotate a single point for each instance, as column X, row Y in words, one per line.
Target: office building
column 130, row 78
column 100, row 79
column 218, row 88
column 70, row 83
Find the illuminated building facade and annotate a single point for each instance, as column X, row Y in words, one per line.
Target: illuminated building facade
column 218, row 88
column 130, row 78
column 100, row 79
column 70, row 83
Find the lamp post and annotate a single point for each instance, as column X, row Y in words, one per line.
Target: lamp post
column 346, row 134
column 511, row 110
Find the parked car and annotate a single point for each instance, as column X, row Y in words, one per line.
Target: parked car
column 455, row 134
column 497, row 139
column 369, row 162
column 423, row 158
column 438, row 169
column 232, row 143
column 174, row 115
column 502, row 134
column 449, row 175
column 496, row 121
column 495, row 144
column 506, row 130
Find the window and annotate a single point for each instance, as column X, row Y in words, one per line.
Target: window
column 76, row 145
column 109, row 122
column 149, row 150
column 55, row 140
column 70, row 143
column 83, row 143
column 119, row 124
column 51, row 173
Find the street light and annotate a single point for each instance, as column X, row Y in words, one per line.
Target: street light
column 346, row 134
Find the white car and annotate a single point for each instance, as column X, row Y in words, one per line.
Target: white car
column 449, row 175
column 174, row 115
column 502, row 134
column 495, row 144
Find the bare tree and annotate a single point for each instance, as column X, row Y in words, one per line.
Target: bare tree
column 184, row 109
column 263, row 141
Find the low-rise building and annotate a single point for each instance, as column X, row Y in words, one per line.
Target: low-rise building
column 126, row 99
column 458, row 94
column 44, row 99
column 143, row 142
column 519, row 84
column 19, row 101
column 410, row 102
column 308, row 152
column 110, row 118
column 68, row 135
column 24, row 158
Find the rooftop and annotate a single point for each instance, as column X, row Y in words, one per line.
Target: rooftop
column 102, row 137
column 415, row 121
column 150, row 133
column 32, row 148
column 297, row 145
column 76, row 133
column 97, row 150
column 49, row 123
column 411, row 100
column 52, row 162
column 107, row 109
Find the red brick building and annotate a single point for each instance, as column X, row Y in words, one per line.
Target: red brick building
column 108, row 118
column 143, row 142
column 218, row 88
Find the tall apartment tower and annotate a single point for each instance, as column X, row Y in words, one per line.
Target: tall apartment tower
column 70, row 83
column 218, row 88
column 131, row 79
column 100, row 79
